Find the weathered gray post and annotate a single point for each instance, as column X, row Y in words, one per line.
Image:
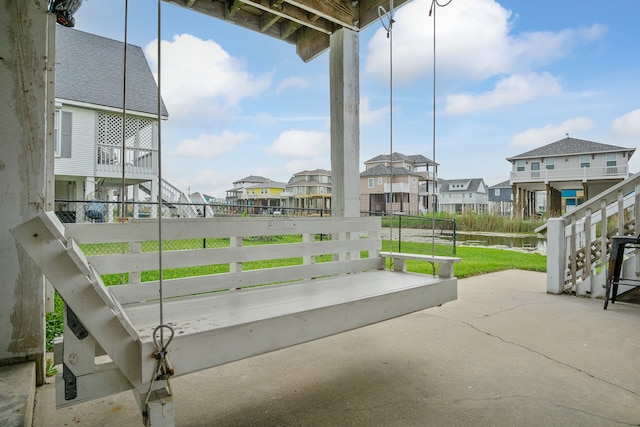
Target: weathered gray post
column 344, row 58
column 26, row 172
column 556, row 255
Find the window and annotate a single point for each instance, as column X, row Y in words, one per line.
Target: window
column 585, row 161
column 300, row 190
column 408, row 167
column 415, row 182
column 611, row 160
column 379, row 180
column 550, row 164
column 62, row 134
column 370, row 183
column 496, row 192
column 535, row 169
column 519, row 165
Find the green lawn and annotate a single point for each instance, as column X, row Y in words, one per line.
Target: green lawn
column 475, row 260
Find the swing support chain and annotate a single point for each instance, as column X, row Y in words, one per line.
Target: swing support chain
column 164, row 369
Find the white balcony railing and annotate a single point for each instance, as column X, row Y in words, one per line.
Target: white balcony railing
column 137, row 161
column 398, row 187
column 578, row 174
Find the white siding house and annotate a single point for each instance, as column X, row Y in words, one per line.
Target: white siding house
column 568, row 164
column 88, row 133
column 460, row 196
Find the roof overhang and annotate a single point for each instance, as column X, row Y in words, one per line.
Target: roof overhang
column 305, row 23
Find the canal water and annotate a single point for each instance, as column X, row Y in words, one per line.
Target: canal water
column 506, row 240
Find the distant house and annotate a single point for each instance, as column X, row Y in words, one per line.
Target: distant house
column 460, row 196
column 398, row 183
column 88, row 136
column 501, row 199
column 309, row 189
column 238, row 194
column 265, row 196
column 568, row 164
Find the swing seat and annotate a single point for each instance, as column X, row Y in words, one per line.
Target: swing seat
column 331, row 279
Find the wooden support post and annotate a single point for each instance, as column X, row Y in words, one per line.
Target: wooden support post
column 345, row 127
column 27, row 154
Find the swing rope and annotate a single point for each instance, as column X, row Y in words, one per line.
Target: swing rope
column 432, row 9
column 164, row 370
column 388, row 25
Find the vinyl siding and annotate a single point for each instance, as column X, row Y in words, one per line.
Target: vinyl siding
column 82, row 160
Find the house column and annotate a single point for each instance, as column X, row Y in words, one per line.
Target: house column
column 26, row 116
column 344, row 58
column 585, row 191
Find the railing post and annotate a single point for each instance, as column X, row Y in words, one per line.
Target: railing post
column 399, row 233
column 584, row 286
column 454, row 236
column 556, row 255
column 620, row 213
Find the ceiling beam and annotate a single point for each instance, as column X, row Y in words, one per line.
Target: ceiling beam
column 292, row 13
column 311, row 43
column 268, row 20
column 340, row 12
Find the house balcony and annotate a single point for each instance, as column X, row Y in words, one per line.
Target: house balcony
column 138, row 162
column 398, row 187
column 578, row 174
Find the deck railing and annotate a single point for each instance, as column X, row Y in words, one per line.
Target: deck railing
column 579, row 242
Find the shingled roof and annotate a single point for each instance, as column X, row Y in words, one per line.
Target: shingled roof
column 381, row 170
column 395, row 157
column 89, row 70
column 570, row 146
column 474, row 185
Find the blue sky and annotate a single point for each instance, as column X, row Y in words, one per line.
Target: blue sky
column 511, row 76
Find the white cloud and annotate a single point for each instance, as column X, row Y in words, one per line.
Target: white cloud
column 301, row 144
column 369, row 116
column 208, row 146
column 474, row 41
column 510, row 91
column 532, row 138
column 199, row 76
column 627, row 126
column 294, row 83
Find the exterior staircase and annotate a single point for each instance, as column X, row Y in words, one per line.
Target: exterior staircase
column 579, row 242
column 173, row 199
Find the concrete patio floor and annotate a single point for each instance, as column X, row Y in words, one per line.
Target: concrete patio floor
column 504, row 353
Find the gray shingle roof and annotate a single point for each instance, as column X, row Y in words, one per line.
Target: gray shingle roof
column 503, row 184
column 313, row 172
column 414, row 158
column 252, row 179
column 89, row 69
column 382, row 170
column 474, row 184
column 570, row 146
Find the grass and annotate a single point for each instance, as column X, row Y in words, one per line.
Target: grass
column 475, row 261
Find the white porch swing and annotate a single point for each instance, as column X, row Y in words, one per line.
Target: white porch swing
column 203, row 321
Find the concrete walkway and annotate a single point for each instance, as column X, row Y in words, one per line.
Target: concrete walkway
column 504, row 353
